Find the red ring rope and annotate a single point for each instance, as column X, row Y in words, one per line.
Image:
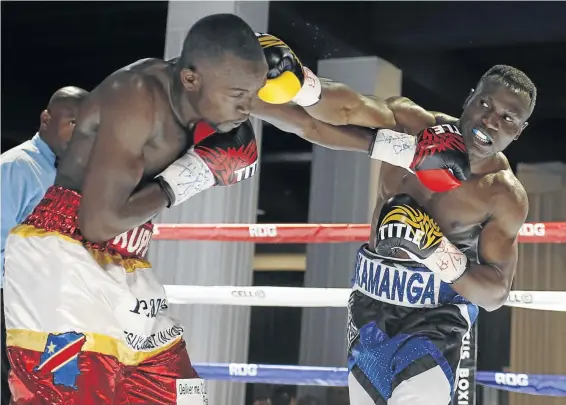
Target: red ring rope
column 540, row 232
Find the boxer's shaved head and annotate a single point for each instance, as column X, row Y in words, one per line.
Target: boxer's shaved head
column 222, row 67
column 70, row 94
column 212, row 37
column 57, row 121
column 513, row 78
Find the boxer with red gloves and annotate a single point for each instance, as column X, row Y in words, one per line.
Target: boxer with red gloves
column 87, row 321
column 443, row 241
column 438, row 155
column 218, row 160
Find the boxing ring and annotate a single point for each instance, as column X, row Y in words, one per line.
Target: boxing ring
column 537, row 384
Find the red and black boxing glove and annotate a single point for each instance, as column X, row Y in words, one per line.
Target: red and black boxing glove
column 220, row 159
column 437, row 155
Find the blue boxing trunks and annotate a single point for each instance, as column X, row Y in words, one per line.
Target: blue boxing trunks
column 405, row 332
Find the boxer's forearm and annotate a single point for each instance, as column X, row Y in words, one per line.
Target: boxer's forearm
column 142, row 206
column 484, row 285
column 287, row 117
column 293, row 119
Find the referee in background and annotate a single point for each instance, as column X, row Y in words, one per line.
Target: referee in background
column 27, row 171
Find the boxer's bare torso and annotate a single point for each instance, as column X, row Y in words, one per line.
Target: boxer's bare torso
column 136, row 123
column 461, row 213
column 167, row 139
column 483, row 216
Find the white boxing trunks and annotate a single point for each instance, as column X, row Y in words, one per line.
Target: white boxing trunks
column 87, row 323
column 405, row 332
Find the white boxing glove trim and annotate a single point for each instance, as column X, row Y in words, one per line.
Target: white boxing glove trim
column 447, row 261
column 310, row 92
column 395, row 148
column 187, row 176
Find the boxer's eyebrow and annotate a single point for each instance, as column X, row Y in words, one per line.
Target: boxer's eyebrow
column 513, row 110
column 238, row 89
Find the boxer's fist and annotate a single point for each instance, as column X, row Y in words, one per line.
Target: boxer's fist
column 441, row 159
column 232, row 156
column 405, row 226
column 438, row 155
column 221, row 159
column 287, row 79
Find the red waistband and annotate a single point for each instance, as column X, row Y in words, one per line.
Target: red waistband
column 58, row 212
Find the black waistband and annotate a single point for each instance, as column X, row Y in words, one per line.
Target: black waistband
column 365, row 251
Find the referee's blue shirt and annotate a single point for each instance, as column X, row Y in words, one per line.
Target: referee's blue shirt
column 27, row 171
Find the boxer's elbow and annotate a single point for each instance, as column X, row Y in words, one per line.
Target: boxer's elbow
column 501, row 296
column 495, row 302
column 486, row 286
column 498, row 294
column 96, row 227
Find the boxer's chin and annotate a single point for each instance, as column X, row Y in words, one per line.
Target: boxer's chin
column 227, row 126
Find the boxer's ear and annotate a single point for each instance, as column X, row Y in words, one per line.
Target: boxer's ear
column 525, row 125
column 191, row 79
column 44, row 119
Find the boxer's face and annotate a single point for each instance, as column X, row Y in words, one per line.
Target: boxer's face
column 227, row 89
column 494, row 116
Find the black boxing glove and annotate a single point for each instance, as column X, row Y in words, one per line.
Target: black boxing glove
column 437, row 155
column 221, row 159
column 405, row 225
column 287, row 79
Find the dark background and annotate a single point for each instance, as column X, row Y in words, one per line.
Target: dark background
column 442, row 47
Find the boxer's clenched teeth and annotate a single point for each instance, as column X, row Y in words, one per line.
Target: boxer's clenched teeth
column 482, row 137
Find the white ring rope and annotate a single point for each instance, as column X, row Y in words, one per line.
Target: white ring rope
column 323, row 297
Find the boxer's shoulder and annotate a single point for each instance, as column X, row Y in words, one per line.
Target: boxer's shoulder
column 146, row 65
column 130, row 82
column 140, row 88
column 507, row 192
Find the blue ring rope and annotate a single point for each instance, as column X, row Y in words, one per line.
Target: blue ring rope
column 535, row 384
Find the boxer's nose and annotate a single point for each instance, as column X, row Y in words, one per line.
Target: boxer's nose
column 490, row 121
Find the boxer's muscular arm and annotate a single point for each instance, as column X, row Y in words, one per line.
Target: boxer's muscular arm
column 339, row 104
column 350, row 115
column 110, row 206
column 333, row 126
column 488, row 284
column 293, row 118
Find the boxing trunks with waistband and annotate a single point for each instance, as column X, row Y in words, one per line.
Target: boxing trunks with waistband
column 405, row 332
column 88, row 324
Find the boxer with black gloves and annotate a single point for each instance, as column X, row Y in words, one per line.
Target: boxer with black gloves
column 405, row 226
column 287, row 78
column 443, row 241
